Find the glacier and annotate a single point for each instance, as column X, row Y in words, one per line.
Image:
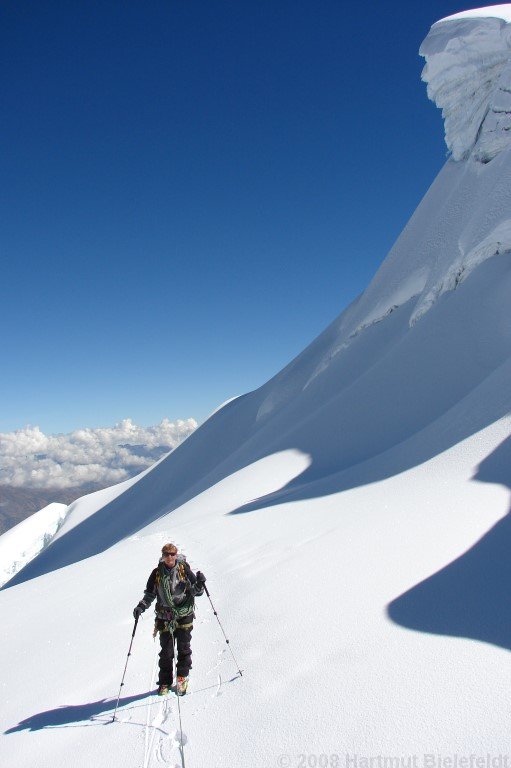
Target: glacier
column 351, row 516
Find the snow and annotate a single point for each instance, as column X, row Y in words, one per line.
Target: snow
column 352, row 519
column 468, row 72
column 497, row 11
column 462, row 221
column 23, row 542
column 325, row 670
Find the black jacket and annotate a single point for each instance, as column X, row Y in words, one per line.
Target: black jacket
column 174, row 590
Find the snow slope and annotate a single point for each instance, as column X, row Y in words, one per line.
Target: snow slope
column 24, row 541
column 351, row 516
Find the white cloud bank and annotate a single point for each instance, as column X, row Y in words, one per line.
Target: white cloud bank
column 29, row 458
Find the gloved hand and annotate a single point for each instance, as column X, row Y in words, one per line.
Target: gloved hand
column 140, row 608
column 200, row 578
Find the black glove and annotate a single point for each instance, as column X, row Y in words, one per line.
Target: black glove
column 200, row 578
column 140, row 608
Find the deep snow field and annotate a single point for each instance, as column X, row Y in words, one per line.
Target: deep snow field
column 351, row 517
column 302, row 589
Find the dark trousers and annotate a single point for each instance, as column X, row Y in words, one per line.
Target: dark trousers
column 182, row 639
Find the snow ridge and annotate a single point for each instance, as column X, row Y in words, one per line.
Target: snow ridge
column 23, row 542
column 496, row 243
column 364, row 489
column 468, row 72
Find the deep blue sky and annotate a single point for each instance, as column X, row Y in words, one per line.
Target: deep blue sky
column 191, row 190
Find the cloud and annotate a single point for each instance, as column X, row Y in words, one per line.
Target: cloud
column 31, row 459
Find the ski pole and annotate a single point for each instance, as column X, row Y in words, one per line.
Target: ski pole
column 125, row 667
column 226, row 640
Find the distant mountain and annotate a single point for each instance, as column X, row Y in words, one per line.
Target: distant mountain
column 16, row 504
column 37, row 469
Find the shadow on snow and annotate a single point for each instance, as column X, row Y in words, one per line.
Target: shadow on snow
column 470, row 596
column 393, row 399
column 95, row 712
column 73, row 715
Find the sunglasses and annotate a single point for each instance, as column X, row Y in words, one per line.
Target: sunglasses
column 169, row 554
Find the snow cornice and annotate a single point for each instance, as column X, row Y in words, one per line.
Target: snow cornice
column 468, row 74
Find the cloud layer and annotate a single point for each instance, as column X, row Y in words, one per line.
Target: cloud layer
column 29, row 458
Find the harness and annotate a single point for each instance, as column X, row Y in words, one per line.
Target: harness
column 168, row 616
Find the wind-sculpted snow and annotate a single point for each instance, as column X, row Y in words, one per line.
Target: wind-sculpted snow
column 428, row 332
column 463, row 220
column 495, row 243
column 361, row 491
column 21, row 544
column 468, row 72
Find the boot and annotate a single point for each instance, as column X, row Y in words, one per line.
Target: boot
column 182, row 685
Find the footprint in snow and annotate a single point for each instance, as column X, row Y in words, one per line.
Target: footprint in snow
column 166, row 711
column 165, row 751
column 162, row 715
column 159, row 752
column 179, row 738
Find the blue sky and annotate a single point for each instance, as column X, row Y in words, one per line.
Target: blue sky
column 191, row 190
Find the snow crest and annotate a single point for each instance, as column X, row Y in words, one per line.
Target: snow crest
column 496, row 243
column 23, row 542
column 468, row 74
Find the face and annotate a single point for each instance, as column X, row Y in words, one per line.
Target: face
column 169, row 556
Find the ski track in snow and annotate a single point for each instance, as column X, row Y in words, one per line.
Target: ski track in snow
column 148, row 741
column 162, row 743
